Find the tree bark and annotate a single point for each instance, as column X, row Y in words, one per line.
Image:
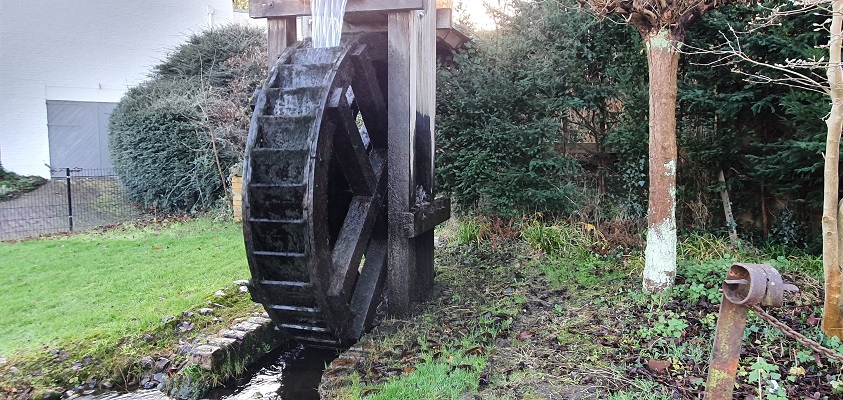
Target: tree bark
column 727, row 210
column 832, row 324
column 660, row 253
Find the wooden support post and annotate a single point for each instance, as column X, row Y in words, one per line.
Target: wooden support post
column 412, row 85
column 424, row 144
column 281, row 34
column 402, row 87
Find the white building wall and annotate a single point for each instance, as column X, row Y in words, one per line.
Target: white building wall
column 242, row 17
column 82, row 50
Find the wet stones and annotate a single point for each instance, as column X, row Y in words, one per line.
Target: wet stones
column 224, row 355
column 242, row 337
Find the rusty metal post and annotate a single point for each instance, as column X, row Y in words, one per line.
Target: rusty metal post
column 745, row 285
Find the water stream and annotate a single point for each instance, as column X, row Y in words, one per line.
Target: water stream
column 328, row 18
column 285, row 374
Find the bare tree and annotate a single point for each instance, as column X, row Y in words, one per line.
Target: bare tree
column 662, row 25
column 807, row 75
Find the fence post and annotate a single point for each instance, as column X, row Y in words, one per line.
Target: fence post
column 69, row 200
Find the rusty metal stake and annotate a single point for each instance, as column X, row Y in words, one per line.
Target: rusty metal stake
column 745, row 285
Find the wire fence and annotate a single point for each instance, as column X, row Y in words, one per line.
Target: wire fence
column 73, row 199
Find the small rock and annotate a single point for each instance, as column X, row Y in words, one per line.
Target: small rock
column 147, row 338
column 205, row 311
column 184, row 327
column 167, row 319
column 217, row 319
column 48, row 394
column 188, row 314
column 242, row 282
column 107, row 385
column 147, row 362
column 147, row 384
column 132, row 384
column 243, row 289
column 88, row 392
column 159, row 377
column 3, row 361
column 219, row 293
column 14, row 370
column 69, row 394
column 162, row 364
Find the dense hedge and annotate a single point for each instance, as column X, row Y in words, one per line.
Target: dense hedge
column 163, row 133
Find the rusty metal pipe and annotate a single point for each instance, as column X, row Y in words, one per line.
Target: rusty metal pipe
column 745, row 285
column 726, row 351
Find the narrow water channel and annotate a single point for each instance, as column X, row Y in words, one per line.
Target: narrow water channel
column 285, row 374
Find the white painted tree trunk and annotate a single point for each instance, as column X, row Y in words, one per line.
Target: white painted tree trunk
column 832, row 324
column 660, row 253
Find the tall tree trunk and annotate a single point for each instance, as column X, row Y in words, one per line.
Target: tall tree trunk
column 660, row 253
column 832, row 323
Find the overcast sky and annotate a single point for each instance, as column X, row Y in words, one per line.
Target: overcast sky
column 477, row 12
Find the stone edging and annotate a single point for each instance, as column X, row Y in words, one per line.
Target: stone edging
column 224, row 356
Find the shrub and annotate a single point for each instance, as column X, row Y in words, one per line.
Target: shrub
column 172, row 137
column 13, row 185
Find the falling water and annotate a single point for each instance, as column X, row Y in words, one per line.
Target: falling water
column 327, row 22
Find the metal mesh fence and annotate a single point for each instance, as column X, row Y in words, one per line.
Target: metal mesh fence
column 73, row 200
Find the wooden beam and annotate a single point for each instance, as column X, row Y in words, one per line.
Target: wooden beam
column 299, row 8
column 423, row 146
column 281, row 33
column 402, row 60
column 426, row 217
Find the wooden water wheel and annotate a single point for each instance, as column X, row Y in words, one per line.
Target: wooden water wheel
column 315, row 186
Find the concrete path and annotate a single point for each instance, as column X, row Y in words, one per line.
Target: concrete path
column 96, row 202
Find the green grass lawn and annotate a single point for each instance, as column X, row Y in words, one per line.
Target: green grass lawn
column 106, row 285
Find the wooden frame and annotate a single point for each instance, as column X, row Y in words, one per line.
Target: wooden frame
column 300, row 8
column 413, row 27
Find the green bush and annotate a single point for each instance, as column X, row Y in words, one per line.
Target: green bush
column 170, row 137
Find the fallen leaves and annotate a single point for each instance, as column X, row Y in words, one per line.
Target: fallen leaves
column 525, row 335
column 657, row 365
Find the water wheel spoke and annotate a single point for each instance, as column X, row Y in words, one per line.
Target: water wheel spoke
column 354, row 235
column 348, row 145
column 351, row 245
column 367, row 291
column 370, row 99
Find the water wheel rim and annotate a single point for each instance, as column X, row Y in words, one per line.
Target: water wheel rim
column 338, row 301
